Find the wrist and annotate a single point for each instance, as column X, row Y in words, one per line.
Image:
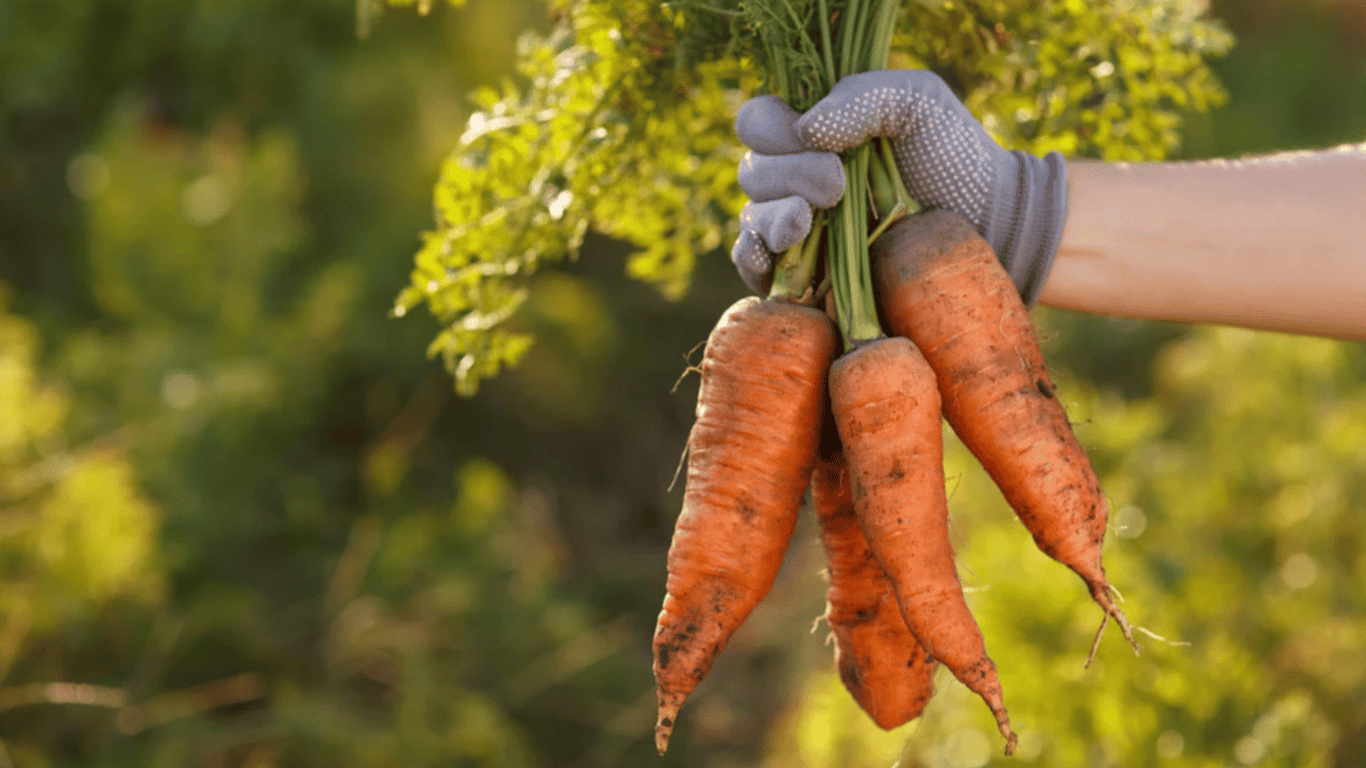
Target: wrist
column 1025, row 218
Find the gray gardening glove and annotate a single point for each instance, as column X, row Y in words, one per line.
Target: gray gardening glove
column 783, row 182
column 1016, row 201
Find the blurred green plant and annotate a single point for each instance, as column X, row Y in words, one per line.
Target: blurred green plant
column 257, row 551
column 76, row 531
column 622, row 126
column 368, row 11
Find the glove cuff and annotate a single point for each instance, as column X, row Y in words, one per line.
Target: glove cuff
column 1026, row 219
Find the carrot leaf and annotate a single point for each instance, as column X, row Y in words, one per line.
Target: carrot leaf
column 619, row 123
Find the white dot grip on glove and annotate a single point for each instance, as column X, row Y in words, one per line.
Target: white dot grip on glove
column 1016, row 201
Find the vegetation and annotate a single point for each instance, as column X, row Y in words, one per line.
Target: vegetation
column 244, row 524
column 622, row 125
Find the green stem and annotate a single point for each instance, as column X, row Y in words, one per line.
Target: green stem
column 848, row 36
column 864, row 39
column 888, row 158
column 797, row 266
column 717, row 11
column 851, row 277
column 898, row 212
column 779, row 60
column 826, row 47
column 792, row 12
column 883, row 29
column 861, row 42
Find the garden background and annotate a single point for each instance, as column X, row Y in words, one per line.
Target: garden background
column 244, row 521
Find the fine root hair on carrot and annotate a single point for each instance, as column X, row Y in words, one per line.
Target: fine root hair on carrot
column 1161, row 639
column 699, row 345
column 886, row 403
column 689, row 369
column 816, row 625
column 1100, row 631
column 940, row 285
column 750, row 456
column 678, row 469
column 1095, row 642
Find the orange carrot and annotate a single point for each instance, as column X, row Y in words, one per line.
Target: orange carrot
column 886, row 405
column 940, row 285
column 879, row 660
column 751, row 452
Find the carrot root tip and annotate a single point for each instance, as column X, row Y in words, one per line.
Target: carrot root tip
column 1003, row 724
column 664, row 727
column 1123, row 626
column 998, row 710
column 1127, row 630
column 1100, row 592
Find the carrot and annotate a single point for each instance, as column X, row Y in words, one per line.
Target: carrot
column 886, row 406
column 939, row 284
column 751, row 452
column 880, row 662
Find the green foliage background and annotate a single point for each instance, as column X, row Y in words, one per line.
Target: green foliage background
column 243, row 521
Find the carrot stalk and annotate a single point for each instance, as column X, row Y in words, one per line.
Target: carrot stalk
column 852, row 281
column 940, row 284
column 751, row 453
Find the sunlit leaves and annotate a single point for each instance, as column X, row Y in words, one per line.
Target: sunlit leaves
column 1108, row 80
column 621, row 123
column 604, row 136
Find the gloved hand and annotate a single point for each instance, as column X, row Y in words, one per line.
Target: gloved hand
column 1016, row 201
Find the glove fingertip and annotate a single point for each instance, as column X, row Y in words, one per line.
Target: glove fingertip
column 765, row 125
column 789, row 226
column 753, row 261
column 778, row 224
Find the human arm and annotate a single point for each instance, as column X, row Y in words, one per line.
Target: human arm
column 1275, row 243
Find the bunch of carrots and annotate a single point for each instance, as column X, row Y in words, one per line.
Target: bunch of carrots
column 778, row 411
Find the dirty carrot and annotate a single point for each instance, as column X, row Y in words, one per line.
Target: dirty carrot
column 940, row 285
column 879, row 660
column 750, row 456
column 886, row 404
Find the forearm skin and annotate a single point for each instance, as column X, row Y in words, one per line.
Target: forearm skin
column 1275, row 243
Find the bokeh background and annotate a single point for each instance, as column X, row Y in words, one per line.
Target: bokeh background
column 245, row 522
